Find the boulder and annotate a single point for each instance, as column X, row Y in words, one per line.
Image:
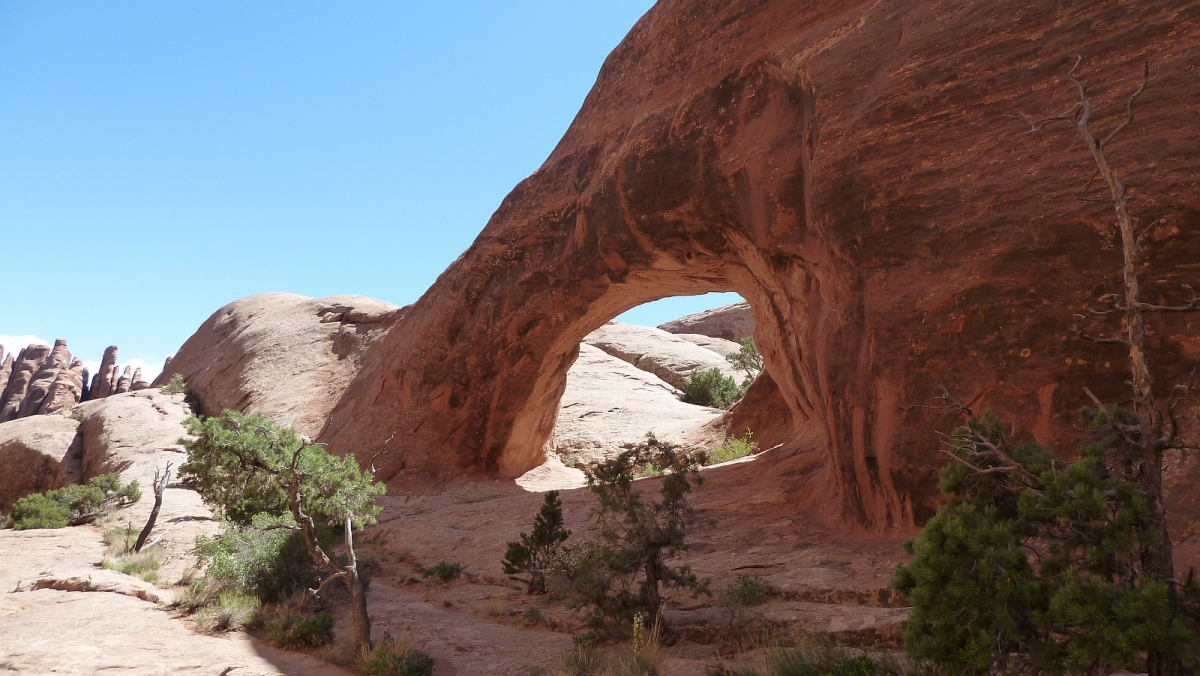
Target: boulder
column 286, row 356
column 37, row 454
column 730, row 322
column 653, row 350
column 608, row 404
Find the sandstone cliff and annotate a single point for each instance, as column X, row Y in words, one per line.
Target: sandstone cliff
column 283, row 355
column 854, row 172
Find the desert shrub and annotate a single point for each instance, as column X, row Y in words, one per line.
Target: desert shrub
column 584, row 660
column 532, row 553
column 395, row 657
column 251, row 469
column 621, row 577
column 444, row 571
column 174, row 386
column 72, row 505
column 1085, row 603
column 531, row 615
column 259, row 559
column 121, row 557
column 819, row 661
column 746, row 591
column 288, row 629
column 232, row 610
column 732, row 448
column 747, row 360
column 711, row 388
column 200, row 593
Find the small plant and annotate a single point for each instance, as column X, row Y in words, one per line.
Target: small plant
column 72, row 505
column 444, row 572
column 732, row 448
column 232, row 610
column 395, row 657
column 747, row 360
column 584, row 660
column 288, row 629
column 747, row 591
column 532, row 553
column 531, row 615
column 174, row 386
column 818, row 656
column 711, row 388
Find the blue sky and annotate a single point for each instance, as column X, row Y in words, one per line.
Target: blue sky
column 158, row 160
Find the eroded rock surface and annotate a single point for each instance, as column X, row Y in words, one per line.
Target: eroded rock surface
column 729, row 322
column 854, row 171
column 609, row 403
column 38, row 454
column 655, row 351
column 286, row 356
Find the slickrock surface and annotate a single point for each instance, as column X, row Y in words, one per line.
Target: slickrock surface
column 719, row 345
column 286, row 356
column 730, row 322
column 609, row 403
column 38, row 454
column 853, row 171
column 669, row 357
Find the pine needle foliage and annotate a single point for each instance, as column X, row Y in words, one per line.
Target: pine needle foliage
column 1035, row 564
column 637, row 538
column 532, row 554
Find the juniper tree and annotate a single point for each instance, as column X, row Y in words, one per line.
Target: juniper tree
column 1036, row 564
column 247, row 465
column 1155, row 430
column 638, row 537
column 532, row 553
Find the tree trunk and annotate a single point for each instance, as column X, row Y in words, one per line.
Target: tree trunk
column 160, row 487
column 1156, row 558
column 652, row 601
column 358, row 596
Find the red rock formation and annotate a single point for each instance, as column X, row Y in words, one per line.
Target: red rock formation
column 731, row 322
column 102, row 384
column 852, row 170
column 6, row 364
column 26, row 367
column 283, row 355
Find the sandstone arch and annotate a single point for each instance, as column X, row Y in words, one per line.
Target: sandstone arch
column 850, row 170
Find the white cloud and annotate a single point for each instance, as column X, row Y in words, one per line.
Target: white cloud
column 15, row 344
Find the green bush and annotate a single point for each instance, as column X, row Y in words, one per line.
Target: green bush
column 174, row 386
column 747, row 360
column 444, row 571
column 532, row 553
column 746, row 591
column 711, row 388
column 287, row 629
column 732, row 448
column 231, row 610
column 1082, row 603
column 258, row 560
column 74, row 504
column 394, row 657
column 819, row 662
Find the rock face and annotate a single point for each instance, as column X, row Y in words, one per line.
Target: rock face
column 38, row 454
column 44, row 379
column 853, row 172
column 730, row 322
column 671, row 358
column 609, row 403
column 283, row 355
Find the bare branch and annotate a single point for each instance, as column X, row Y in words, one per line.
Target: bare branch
column 1129, row 106
column 1192, row 306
